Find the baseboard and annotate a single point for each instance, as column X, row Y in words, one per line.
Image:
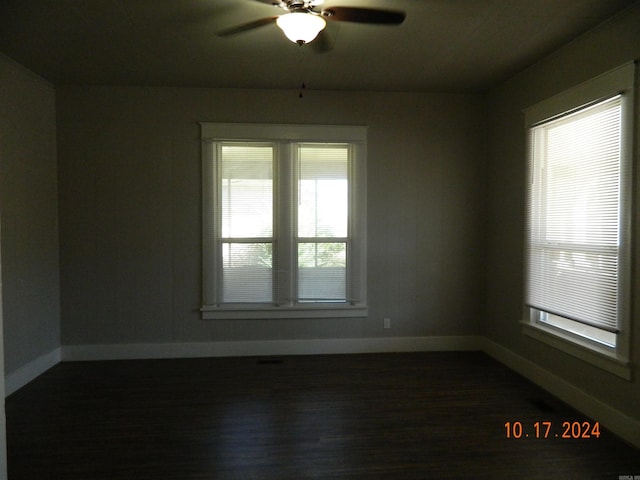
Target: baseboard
column 621, row 424
column 23, row 375
column 269, row 347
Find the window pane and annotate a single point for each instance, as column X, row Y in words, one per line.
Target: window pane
column 582, row 178
column 246, row 272
column 574, row 216
column 322, row 271
column 246, row 191
column 323, row 190
column 577, row 284
column 587, row 331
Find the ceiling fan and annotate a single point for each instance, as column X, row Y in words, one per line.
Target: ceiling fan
column 303, row 20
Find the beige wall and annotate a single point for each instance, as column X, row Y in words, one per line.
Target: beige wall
column 612, row 44
column 130, row 223
column 29, row 210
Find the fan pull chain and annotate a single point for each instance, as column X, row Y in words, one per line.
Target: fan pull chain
column 301, row 68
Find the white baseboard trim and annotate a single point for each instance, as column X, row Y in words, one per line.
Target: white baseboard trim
column 23, row 375
column 621, row 424
column 268, row 348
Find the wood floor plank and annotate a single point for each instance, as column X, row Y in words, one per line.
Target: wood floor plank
column 377, row 416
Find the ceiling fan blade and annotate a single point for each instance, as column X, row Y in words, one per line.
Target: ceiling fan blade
column 246, row 26
column 364, row 15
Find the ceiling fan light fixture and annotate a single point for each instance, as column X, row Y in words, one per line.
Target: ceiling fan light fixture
column 300, row 27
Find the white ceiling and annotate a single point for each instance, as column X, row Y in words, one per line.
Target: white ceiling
column 443, row 45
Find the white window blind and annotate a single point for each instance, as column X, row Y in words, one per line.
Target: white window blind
column 574, row 228
column 323, row 213
column 246, row 217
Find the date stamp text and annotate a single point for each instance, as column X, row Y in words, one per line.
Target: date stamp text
column 543, row 430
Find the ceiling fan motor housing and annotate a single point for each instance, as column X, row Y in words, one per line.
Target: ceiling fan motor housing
column 305, row 6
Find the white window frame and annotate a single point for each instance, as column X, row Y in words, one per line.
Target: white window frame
column 284, row 135
column 612, row 359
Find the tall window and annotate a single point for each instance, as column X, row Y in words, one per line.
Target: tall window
column 322, row 222
column 578, row 219
column 284, row 221
column 245, row 215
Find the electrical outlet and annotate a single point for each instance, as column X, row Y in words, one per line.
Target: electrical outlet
column 387, row 323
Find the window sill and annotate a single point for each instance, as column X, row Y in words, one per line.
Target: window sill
column 247, row 312
column 582, row 349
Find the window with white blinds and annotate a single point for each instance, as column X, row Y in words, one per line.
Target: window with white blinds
column 246, row 221
column 574, row 216
column 578, row 220
column 322, row 217
column 284, row 221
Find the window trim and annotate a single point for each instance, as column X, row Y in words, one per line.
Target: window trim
column 356, row 136
column 617, row 81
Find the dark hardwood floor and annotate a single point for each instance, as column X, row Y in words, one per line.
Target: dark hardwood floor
column 379, row 416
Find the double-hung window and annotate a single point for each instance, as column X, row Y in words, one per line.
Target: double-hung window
column 578, row 218
column 283, row 221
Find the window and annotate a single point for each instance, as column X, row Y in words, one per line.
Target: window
column 578, row 207
column 284, row 221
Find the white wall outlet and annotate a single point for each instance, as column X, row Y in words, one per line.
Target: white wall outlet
column 387, row 322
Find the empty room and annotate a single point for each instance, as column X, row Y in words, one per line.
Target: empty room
column 374, row 239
